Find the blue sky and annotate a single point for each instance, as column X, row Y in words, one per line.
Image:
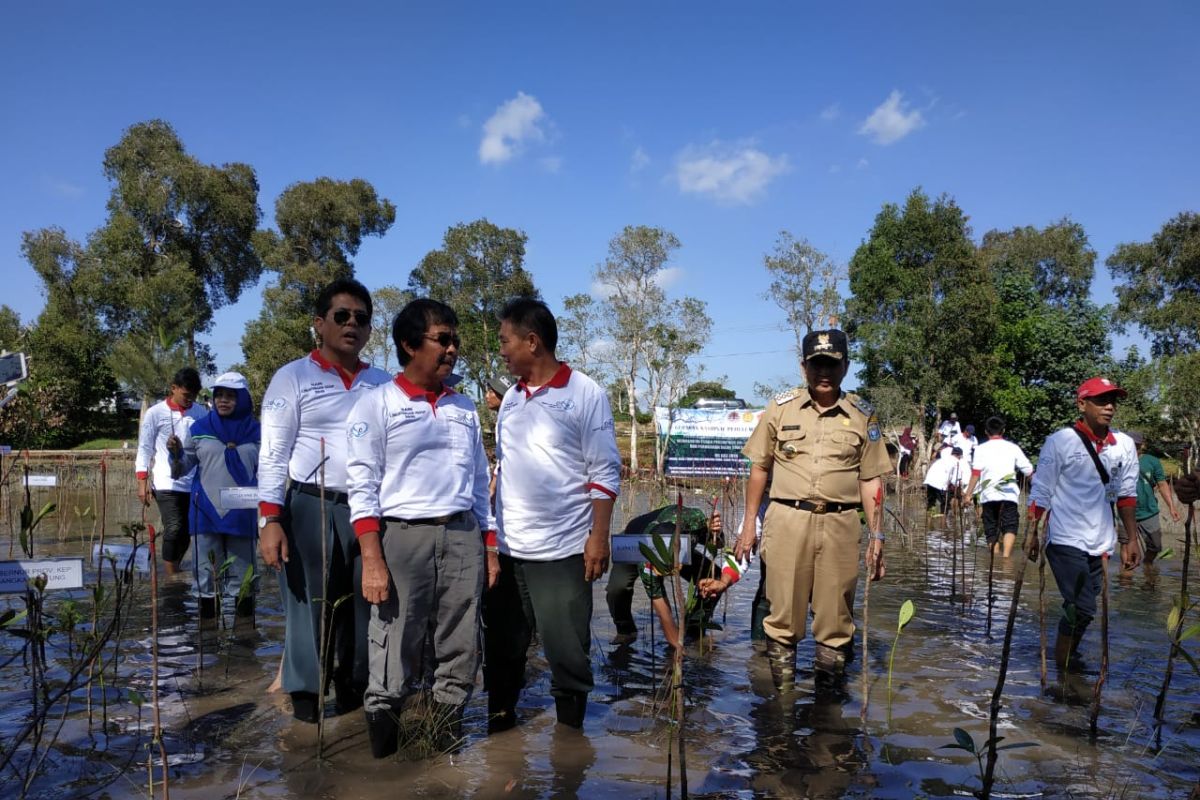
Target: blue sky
column 721, row 122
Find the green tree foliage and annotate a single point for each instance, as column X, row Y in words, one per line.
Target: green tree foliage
column 67, row 352
column 381, row 350
column 478, row 268
column 321, row 225
column 1049, row 336
column 10, row 329
column 177, row 244
column 715, row 389
column 922, row 312
column 580, row 336
column 804, row 285
column 1158, row 291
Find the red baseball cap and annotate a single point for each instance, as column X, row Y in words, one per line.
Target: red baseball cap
column 1094, row 387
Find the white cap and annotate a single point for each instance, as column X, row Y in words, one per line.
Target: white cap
column 231, row 380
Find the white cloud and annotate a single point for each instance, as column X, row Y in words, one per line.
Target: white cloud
column 668, row 277
column 731, row 174
column 515, row 122
column 551, row 164
column 892, row 120
column 830, row 113
column 639, row 160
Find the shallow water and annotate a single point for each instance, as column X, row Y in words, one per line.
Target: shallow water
column 226, row 737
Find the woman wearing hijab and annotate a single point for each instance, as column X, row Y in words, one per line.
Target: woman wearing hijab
column 224, row 447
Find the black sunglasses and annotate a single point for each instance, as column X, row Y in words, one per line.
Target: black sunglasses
column 342, row 316
column 445, row 339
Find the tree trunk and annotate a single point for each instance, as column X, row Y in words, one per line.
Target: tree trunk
column 631, row 390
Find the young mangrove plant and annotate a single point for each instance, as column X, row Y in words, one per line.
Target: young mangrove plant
column 963, row 741
column 1175, row 622
column 907, row 610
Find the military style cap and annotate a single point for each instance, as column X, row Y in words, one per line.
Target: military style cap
column 693, row 520
column 830, row 344
column 499, row 384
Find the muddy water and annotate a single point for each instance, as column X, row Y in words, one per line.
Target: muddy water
column 227, row 737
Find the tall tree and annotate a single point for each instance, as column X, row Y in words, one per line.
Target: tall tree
column 381, row 350
column 478, row 268
column 1049, row 335
column 1159, row 293
column 804, row 285
column 177, row 244
column 321, row 225
column 921, row 315
column 10, row 329
column 680, row 333
column 580, row 332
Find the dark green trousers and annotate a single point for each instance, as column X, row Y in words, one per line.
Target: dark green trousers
column 554, row 598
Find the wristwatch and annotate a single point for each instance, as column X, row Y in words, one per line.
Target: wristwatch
column 267, row 520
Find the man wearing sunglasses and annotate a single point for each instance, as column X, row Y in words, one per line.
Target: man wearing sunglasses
column 1082, row 472
column 303, row 445
column 419, row 504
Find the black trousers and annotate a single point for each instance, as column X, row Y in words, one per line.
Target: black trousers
column 173, row 509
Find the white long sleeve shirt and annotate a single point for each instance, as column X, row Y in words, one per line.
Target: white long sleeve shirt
column 412, row 454
column 997, row 462
column 1068, row 486
column 556, row 450
column 308, row 400
column 948, row 472
column 163, row 419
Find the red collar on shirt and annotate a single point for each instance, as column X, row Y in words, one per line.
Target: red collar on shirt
column 413, row 391
column 346, row 376
column 558, row 381
column 1099, row 444
column 171, row 404
column 997, row 436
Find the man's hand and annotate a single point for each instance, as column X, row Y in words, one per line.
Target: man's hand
column 272, row 545
column 1131, row 553
column 595, row 555
column 374, row 579
column 1032, row 545
column 711, row 588
column 876, row 567
column 174, row 445
column 747, row 542
column 1174, row 513
column 714, row 523
column 493, row 569
column 143, row 491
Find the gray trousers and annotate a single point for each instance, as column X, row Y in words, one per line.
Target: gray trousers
column 437, row 574
column 212, row 550
column 304, row 591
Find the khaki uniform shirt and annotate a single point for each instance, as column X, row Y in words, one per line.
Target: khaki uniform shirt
column 818, row 456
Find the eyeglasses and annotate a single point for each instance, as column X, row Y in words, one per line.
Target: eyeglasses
column 445, row 339
column 361, row 318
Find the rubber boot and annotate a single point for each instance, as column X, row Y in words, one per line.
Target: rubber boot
column 1066, row 652
column 208, row 608
column 348, row 696
column 782, row 658
column 571, row 708
column 448, row 722
column 383, row 731
column 502, row 694
column 304, row 706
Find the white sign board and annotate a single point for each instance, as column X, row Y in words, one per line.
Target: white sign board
column 61, row 573
column 124, row 553
column 625, row 548
column 41, row 480
column 239, row 497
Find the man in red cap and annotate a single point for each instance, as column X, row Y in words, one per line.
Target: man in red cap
column 1082, row 472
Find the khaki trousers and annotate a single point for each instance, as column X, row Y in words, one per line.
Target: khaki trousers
column 811, row 560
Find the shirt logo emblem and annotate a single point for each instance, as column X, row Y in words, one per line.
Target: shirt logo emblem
column 275, row 404
column 359, row 430
column 561, row 405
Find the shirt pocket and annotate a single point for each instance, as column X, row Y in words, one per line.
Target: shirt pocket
column 846, row 446
column 790, row 443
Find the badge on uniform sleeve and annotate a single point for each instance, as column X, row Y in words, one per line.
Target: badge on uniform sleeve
column 873, row 431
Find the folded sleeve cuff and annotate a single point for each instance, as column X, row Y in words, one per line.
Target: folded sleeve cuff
column 1035, row 512
column 1126, row 502
column 490, row 539
column 266, row 509
column 732, row 574
column 599, row 492
column 142, row 474
column 366, row 525
column 975, row 473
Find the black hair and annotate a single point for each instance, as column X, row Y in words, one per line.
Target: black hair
column 414, row 320
column 187, row 378
column 532, row 316
column 342, row 286
column 994, row 426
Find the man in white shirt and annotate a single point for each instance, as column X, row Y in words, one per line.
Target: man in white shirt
column 944, row 478
column 558, row 475
column 1082, row 472
column 949, row 428
column 304, row 413
column 418, row 486
column 966, row 441
column 170, row 417
column 994, row 474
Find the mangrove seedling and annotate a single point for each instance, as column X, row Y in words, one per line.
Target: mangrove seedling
column 963, row 741
column 907, row 610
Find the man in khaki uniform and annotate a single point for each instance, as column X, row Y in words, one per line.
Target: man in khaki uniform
column 829, row 459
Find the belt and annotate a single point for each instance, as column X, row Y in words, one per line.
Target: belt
column 330, row 495
column 442, row 520
column 817, row 506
